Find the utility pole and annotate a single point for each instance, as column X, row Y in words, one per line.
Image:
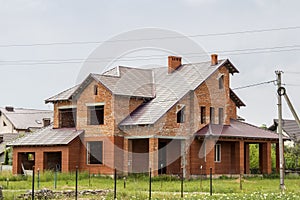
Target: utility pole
column 280, row 92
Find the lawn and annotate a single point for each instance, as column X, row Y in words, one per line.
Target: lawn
column 164, row 187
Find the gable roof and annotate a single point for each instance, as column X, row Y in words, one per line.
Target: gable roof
column 290, row 127
column 64, row 95
column 170, row 88
column 120, row 80
column 128, row 82
column 24, row 119
column 160, row 89
column 48, row 137
column 236, row 129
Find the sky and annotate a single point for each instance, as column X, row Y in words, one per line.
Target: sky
column 27, row 78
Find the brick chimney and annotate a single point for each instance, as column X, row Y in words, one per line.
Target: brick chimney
column 9, row 108
column 173, row 63
column 46, row 122
column 214, row 59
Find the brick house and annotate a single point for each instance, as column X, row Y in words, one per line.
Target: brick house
column 176, row 119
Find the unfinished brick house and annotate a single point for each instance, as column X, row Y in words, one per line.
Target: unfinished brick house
column 176, row 119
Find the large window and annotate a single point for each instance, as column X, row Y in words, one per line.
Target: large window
column 180, row 115
column 95, row 115
column 212, row 115
column 67, row 117
column 94, row 152
column 203, row 115
column 221, row 116
column 218, row 153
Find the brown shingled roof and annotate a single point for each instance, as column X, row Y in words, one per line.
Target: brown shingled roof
column 236, row 129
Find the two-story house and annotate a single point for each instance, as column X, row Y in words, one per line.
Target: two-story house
column 176, row 119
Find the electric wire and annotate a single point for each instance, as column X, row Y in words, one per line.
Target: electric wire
column 151, row 57
column 157, row 38
column 254, row 85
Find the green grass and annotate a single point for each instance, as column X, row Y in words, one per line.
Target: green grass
column 164, row 187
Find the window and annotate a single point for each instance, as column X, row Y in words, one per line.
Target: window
column 212, row 115
column 203, row 115
column 95, row 89
column 218, row 153
column 180, row 115
column 95, row 115
column 94, row 152
column 30, row 156
column 4, row 124
column 221, row 82
column 221, row 116
column 67, row 117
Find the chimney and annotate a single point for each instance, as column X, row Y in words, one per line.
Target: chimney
column 173, row 63
column 214, row 59
column 9, row 108
column 46, row 122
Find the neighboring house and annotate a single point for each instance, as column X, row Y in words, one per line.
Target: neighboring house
column 21, row 120
column 15, row 122
column 290, row 129
column 176, row 119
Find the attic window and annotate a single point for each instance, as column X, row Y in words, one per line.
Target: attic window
column 38, row 121
column 180, row 115
column 95, row 89
column 221, row 82
column 4, row 124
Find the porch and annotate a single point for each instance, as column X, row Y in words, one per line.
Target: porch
column 162, row 155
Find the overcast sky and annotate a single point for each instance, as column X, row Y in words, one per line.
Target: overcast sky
column 24, row 84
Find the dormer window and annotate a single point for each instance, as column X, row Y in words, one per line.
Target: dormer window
column 180, row 114
column 221, row 82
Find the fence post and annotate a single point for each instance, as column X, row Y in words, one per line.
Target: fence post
column 38, row 181
column 89, row 178
column 115, row 184
column 32, row 191
column 181, row 182
column 241, row 186
column 76, row 182
column 201, row 178
column 210, row 181
column 124, row 182
column 55, row 178
column 150, row 182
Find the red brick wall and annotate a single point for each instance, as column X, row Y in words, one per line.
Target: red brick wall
column 107, row 156
column 39, row 157
column 87, row 96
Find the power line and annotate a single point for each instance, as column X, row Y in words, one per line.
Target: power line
column 152, row 57
column 254, row 85
column 157, row 38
